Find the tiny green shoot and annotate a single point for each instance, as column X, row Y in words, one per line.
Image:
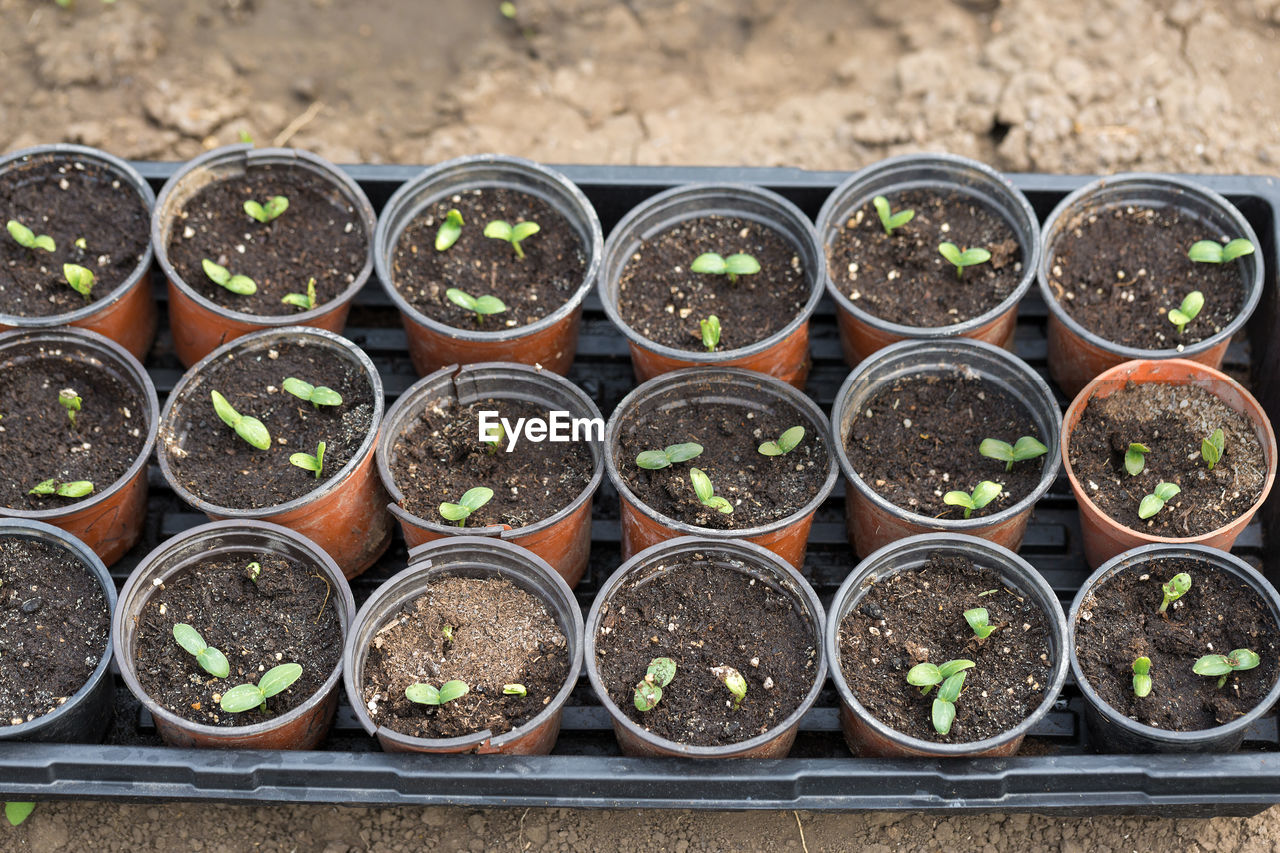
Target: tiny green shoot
column 447, row 633
column 733, row 681
column 25, row 237
column 787, row 442
column 425, row 694
column 513, row 234
column 960, row 260
column 1174, row 589
column 515, row 690
column 890, row 220
column 652, row 460
column 17, row 812
column 982, row 494
column 648, row 692
column 1213, row 252
column 307, row 462
column 245, row 137
column 1135, row 458
column 81, row 243
column 210, row 659
column 1187, row 311
column 469, row 503
column 1142, row 677
column 507, row 9
column 710, row 329
column 481, row 306
column 450, row 230
column 1023, row 449
column 241, row 285
column 253, row 571
column 706, row 492
column 316, row 395
column 245, row 697
column 305, row 301
column 70, row 401
column 73, row 489
column 80, row 278
column 248, row 428
column 979, row 621
column 1154, row 502
column 1211, row 448
column 265, row 213
column 1222, row 666
column 710, row 263
column 495, row 438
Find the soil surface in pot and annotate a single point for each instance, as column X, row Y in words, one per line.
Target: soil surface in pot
column 288, row 616
column 1119, row 622
column 762, row 489
column 917, row 439
column 902, row 278
column 1117, row 272
column 501, row 635
column 915, row 616
column 531, row 287
column 440, row 456
column 68, row 199
column 704, row 615
column 38, row 440
column 215, row 464
column 319, row 236
column 662, row 300
column 1171, row 420
column 54, row 626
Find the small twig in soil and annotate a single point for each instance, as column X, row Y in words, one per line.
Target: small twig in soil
column 327, row 588
column 800, row 826
column 297, row 124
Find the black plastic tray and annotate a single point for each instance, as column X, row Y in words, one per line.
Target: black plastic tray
column 1056, row 770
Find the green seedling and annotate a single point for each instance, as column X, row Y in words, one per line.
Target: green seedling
column 70, row 401
column 245, row 137
column 1174, row 589
column 648, row 692
column 926, row 676
column 787, row 442
column 494, row 440
column 507, row 9
column 1142, row 677
column 982, row 494
column 513, row 234
column 450, row 230
column 81, row 243
column 710, row 329
column 733, row 266
column 706, row 492
column 74, row 489
column 249, row 429
column 305, row 301
column 481, row 306
column 1135, row 458
column 1222, row 666
column 316, row 395
column 265, row 213
column 210, row 659
column 979, row 620
column 960, row 260
column 1213, row 252
column 1155, row 501
column 447, row 633
column 1212, row 448
column 515, row 690
column 425, row 694
column 80, row 278
column 470, row 502
column 16, row 813
column 890, row 220
column 253, row 571
column 25, row 237
column 1187, row 311
column 655, row 459
column 1023, row 449
column 733, row 680
column 245, row 697
column 950, row 678
column 241, row 285
column 307, row 462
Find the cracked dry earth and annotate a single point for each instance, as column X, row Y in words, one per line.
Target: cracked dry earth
column 1083, row 86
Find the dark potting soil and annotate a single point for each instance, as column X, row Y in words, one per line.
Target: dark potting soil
column 702, row 615
column 1119, row 271
column 39, row 442
column 663, row 300
column 319, row 236
column 1171, row 420
column 918, row 439
column 762, row 489
column 917, row 616
column 501, row 635
column 288, row 616
column 440, row 456
column 903, row 279
column 531, row 287
column 54, row 626
column 1119, row 622
column 69, row 200
column 214, row 463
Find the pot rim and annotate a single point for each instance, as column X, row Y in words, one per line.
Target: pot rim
column 1138, row 556
column 1048, row 470
column 129, row 175
column 781, row 391
column 1005, row 560
column 249, row 156
column 128, row 367
column 1253, row 286
column 402, row 197
column 321, row 561
column 1029, row 225
column 784, row 213
column 739, row 549
column 335, row 343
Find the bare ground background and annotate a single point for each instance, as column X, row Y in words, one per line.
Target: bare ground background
column 1082, row 86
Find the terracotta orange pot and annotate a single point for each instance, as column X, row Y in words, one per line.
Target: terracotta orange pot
column 301, row 728
column 642, row 526
column 863, row 333
column 346, row 514
column 111, row 520
column 871, row 521
column 1076, row 355
column 562, row 539
column 1105, row 538
column 468, row 557
column 201, row 326
column 550, row 342
column 784, row 354
column 127, row 315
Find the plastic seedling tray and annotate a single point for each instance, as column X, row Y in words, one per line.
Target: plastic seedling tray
column 1056, row 770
